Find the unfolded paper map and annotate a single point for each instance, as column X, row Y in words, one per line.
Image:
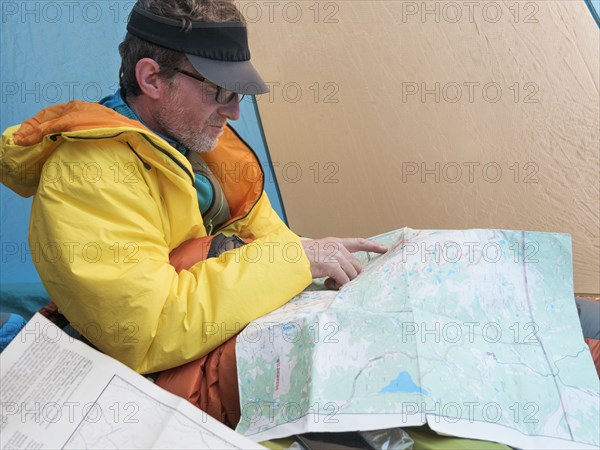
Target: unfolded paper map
column 473, row 332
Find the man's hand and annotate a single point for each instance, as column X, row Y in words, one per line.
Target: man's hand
column 333, row 258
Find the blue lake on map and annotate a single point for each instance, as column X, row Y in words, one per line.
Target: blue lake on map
column 403, row 383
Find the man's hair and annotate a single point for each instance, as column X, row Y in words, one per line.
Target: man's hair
column 132, row 49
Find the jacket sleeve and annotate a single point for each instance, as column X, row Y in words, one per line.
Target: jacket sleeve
column 100, row 246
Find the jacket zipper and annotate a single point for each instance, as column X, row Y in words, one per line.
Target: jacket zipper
column 160, row 149
column 146, row 165
column 210, row 223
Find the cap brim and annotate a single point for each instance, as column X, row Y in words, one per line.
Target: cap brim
column 236, row 76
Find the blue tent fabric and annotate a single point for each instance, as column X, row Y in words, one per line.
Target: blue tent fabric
column 10, row 325
column 594, row 6
column 54, row 52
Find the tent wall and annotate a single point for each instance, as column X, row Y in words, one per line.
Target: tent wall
column 434, row 115
column 53, row 52
column 594, row 6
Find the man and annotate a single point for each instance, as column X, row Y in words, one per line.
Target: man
column 140, row 272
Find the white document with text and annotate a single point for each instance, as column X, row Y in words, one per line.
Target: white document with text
column 56, row 392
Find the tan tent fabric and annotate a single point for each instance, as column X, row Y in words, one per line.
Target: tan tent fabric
column 434, row 115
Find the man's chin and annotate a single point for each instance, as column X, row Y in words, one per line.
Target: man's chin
column 204, row 147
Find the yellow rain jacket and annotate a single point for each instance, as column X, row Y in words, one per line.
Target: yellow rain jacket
column 112, row 200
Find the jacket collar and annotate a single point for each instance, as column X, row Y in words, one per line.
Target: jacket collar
column 117, row 103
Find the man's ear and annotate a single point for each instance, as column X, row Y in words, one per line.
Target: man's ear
column 147, row 73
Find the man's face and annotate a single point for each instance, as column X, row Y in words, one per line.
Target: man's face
column 190, row 114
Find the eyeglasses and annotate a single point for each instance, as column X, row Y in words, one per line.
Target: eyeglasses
column 222, row 96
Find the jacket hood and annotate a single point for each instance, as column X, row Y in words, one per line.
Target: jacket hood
column 26, row 147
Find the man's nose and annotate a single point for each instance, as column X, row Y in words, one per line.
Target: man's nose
column 231, row 110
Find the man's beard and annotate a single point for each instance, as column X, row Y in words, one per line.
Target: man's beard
column 168, row 119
